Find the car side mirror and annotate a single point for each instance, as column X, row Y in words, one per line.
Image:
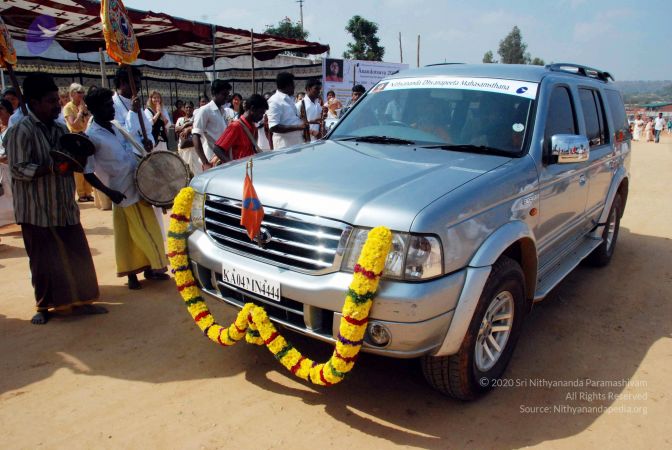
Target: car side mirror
column 570, row 148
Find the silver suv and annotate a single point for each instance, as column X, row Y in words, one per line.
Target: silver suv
column 497, row 181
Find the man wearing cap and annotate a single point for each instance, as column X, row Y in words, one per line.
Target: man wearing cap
column 63, row 274
column 138, row 243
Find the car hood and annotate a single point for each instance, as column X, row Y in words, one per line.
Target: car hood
column 358, row 183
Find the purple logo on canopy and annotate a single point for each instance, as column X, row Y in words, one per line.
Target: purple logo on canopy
column 41, row 34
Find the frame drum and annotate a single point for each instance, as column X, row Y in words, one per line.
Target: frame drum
column 160, row 176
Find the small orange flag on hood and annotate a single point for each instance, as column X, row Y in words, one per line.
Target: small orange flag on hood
column 252, row 212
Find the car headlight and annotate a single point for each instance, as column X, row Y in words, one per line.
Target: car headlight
column 412, row 256
column 197, row 211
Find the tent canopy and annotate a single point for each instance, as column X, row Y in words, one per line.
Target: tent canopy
column 76, row 26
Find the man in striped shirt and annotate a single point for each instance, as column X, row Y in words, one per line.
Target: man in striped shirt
column 61, row 265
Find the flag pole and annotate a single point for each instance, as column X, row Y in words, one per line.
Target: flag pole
column 134, row 92
column 248, row 169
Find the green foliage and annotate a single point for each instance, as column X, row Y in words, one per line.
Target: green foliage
column 366, row 42
column 288, row 29
column 513, row 50
column 489, row 58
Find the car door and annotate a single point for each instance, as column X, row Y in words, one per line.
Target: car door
column 602, row 151
column 563, row 187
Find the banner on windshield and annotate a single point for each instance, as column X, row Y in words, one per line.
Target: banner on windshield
column 512, row 87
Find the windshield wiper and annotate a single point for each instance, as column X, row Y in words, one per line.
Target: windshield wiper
column 377, row 140
column 484, row 149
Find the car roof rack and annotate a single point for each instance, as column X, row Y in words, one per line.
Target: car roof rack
column 577, row 69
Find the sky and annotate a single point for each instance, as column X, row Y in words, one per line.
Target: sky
column 631, row 40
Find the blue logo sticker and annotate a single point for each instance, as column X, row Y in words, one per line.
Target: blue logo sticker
column 521, row 90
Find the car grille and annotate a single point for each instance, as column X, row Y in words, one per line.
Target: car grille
column 297, row 241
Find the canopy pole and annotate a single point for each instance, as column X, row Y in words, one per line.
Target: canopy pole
column 79, row 67
column 418, row 60
column 214, row 53
column 401, row 50
column 170, row 91
column 103, row 72
column 254, row 84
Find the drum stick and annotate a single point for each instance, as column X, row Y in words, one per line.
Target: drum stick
column 134, row 92
column 15, row 82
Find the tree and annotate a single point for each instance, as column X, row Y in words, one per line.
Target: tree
column 489, row 58
column 288, row 29
column 366, row 42
column 512, row 48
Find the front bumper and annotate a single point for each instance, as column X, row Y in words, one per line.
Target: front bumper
column 417, row 315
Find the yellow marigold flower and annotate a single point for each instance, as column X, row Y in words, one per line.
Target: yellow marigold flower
column 278, row 344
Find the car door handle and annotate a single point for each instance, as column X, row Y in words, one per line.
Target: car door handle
column 582, row 180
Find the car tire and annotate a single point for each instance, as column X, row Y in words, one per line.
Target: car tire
column 601, row 256
column 467, row 375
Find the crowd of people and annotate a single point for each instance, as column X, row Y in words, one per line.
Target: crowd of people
column 42, row 195
column 650, row 128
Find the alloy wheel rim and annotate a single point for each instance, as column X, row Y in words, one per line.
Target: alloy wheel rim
column 494, row 332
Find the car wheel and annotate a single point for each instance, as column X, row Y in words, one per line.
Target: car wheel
column 490, row 339
column 601, row 256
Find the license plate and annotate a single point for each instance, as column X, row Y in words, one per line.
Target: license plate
column 250, row 282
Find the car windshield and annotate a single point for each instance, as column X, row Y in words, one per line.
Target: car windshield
column 441, row 118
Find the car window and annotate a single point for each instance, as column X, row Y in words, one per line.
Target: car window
column 593, row 115
column 560, row 118
column 618, row 116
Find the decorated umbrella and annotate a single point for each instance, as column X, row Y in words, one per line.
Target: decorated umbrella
column 120, row 41
column 8, row 59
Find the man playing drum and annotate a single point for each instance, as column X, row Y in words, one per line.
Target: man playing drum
column 138, row 242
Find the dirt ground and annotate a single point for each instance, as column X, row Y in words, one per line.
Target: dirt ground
column 591, row 369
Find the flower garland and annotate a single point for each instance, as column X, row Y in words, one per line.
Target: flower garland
column 253, row 323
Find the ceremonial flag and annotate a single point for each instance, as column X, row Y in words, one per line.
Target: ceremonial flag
column 252, row 212
column 121, row 44
column 7, row 51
